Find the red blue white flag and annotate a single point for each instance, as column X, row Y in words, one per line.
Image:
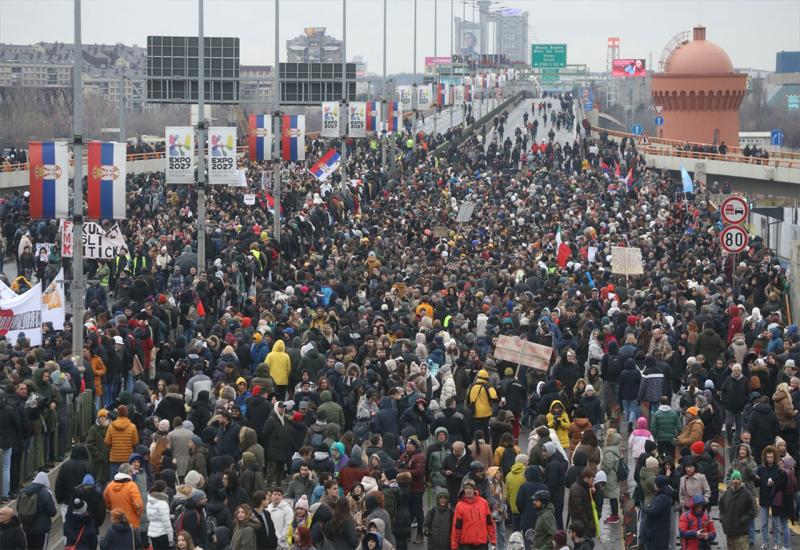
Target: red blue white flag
column 49, row 179
column 326, row 165
column 441, row 94
column 394, row 116
column 468, row 93
column 106, row 176
column 373, row 116
column 260, row 137
column 293, row 137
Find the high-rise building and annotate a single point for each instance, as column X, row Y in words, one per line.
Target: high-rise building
column 255, row 84
column 511, row 34
column 314, row 46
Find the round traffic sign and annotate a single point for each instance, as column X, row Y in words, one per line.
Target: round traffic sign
column 733, row 239
column 637, row 129
column 659, row 120
column 734, row 210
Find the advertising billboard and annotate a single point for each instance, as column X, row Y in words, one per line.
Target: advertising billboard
column 628, row 67
column 471, row 42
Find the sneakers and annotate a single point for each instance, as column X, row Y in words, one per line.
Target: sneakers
column 611, row 519
column 418, row 540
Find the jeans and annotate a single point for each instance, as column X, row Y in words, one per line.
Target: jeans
column 787, row 534
column 6, row 454
column 631, row 410
column 500, row 529
column 776, row 527
column 110, row 391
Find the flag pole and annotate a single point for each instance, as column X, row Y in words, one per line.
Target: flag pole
column 276, row 136
column 77, row 288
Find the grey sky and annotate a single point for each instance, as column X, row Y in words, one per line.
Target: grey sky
column 751, row 32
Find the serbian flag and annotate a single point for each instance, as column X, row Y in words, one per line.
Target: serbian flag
column 629, row 179
column 49, row 179
column 441, row 94
column 106, row 176
column 260, row 137
column 373, row 116
column 468, row 93
column 393, row 116
column 293, row 137
column 326, row 165
column 616, row 171
column 606, row 168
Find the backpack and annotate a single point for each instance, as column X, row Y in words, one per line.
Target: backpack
column 211, row 524
column 27, row 507
column 509, row 457
column 614, row 367
column 317, row 441
column 622, row 470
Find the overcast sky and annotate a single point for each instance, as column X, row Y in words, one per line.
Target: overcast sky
column 751, row 31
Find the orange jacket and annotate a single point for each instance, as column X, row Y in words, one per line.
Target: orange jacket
column 121, row 438
column 123, row 493
column 99, row 369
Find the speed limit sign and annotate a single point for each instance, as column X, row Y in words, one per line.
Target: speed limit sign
column 733, row 239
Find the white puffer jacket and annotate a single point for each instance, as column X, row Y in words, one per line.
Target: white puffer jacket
column 158, row 516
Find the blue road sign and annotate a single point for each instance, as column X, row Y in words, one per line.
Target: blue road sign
column 637, row 129
column 776, row 137
column 659, row 120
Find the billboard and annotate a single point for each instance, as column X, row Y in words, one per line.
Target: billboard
column 471, row 42
column 628, row 67
column 441, row 60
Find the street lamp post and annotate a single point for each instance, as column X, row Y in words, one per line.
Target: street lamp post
column 343, row 172
column 384, row 101
column 276, row 135
column 436, row 107
column 201, row 144
column 77, row 288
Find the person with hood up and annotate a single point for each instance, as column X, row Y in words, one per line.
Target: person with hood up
column 278, row 438
column 514, row 481
column 37, row 520
column 387, row 418
column 480, row 398
column 439, row 522
column 558, row 420
column 555, row 470
column 280, row 367
column 121, row 438
column 248, row 443
column 87, row 492
column 435, row 457
column 472, row 520
column 658, row 516
column 737, row 511
column 695, row 525
column 709, row 344
column 329, row 410
column 353, row 472
column 159, row 529
column 179, row 439
column 637, row 440
column 612, row 456
column 375, row 511
column 70, row 475
column 418, row 418
column 524, row 499
column 221, row 538
column 123, row 493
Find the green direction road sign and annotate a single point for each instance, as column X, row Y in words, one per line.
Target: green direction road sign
column 548, row 56
column 551, row 71
column 549, row 78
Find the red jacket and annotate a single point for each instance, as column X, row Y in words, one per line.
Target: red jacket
column 472, row 523
column 690, row 524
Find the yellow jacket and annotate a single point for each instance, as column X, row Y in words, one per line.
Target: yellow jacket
column 279, row 363
column 559, row 423
column 482, row 395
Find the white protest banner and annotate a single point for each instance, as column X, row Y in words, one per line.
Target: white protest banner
column 424, row 97
column 222, row 155
column 357, row 123
column 465, row 211
column 180, row 154
column 250, row 199
column 241, row 178
column 5, row 292
column 626, row 261
column 516, row 350
column 330, row 119
column 97, row 243
column 38, row 247
column 23, row 314
column 406, row 97
column 54, row 302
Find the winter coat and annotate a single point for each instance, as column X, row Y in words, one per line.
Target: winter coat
column 524, row 500
column 45, row 505
column 593, row 408
column 692, row 432
column 386, row 419
column 80, row 530
column 121, row 438
column 688, row 526
column 98, row 452
column 658, row 517
column 71, row 473
column 282, row 516
column 436, row 454
column 438, row 526
column 665, row 423
column 784, row 410
column 244, row 534
column 611, row 458
column 299, row 486
column 415, row 464
column 560, row 424
column 734, row 393
column 158, row 516
column 736, row 509
column 693, row 485
column 472, row 523
column 121, row 535
column 709, row 345
column 580, row 504
column 629, row 381
column 277, row 438
column 481, row 396
column 12, row 535
column 228, row 440
column 460, row 468
column 330, row 411
column 766, row 493
column 763, row 426
column 514, row 481
column 123, row 493
column 280, row 367
column 545, row 528
column 651, row 385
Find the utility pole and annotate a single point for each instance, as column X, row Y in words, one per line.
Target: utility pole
column 345, row 108
column 276, row 136
column 414, row 88
column 437, row 107
column 77, row 288
column 452, row 37
column 121, row 121
column 384, row 102
column 201, row 142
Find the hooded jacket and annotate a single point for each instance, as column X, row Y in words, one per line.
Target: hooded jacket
column 45, row 504
column 659, row 516
column 121, row 438
column 158, row 516
column 71, row 474
column 524, row 498
column 439, row 522
column 244, row 535
column 11, row 534
column 472, row 523
column 560, row 424
column 580, row 504
column 386, row 420
column 629, row 381
column 280, row 365
column 545, row 527
column 330, row 411
column 277, row 437
column 481, row 396
column 123, row 493
column 665, row 424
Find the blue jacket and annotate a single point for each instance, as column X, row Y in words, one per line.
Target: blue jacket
column 386, row 417
column 657, row 519
column 629, row 381
column 527, row 511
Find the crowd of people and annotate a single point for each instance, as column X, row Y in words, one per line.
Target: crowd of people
column 339, row 386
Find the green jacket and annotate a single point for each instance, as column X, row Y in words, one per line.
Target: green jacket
column 545, row 528
column 665, row 424
column 98, row 452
